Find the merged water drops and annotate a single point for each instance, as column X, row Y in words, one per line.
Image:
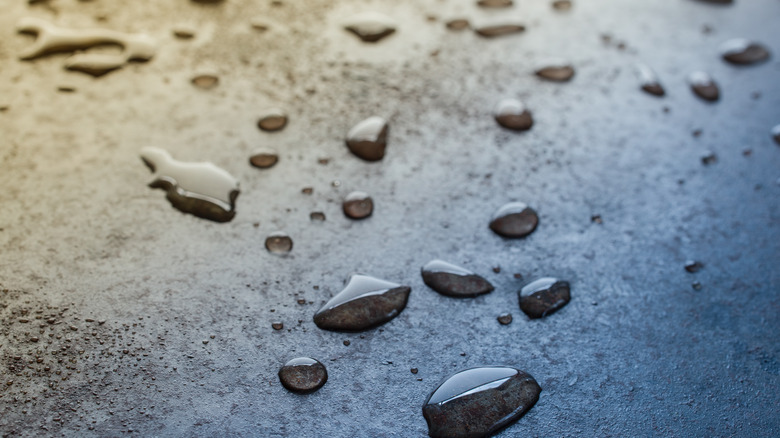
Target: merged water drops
column 365, row 302
column 454, row 281
column 274, row 120
column 264, row 158
column 368, row 139
column 649, row 81
column 371, row 26
column 479, row 401
column 704, row 86
column 303, row 375
column 358, row 205
column 556, row 70
column 544, row 297
column 278, row 243
column 200, row 189
column 512, row 114
column 514, row 220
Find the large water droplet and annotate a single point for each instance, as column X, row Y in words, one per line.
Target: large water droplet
column 740, row 51
column 556, row 70
column 358, row 205
column 303, row 375
column 264, row 158
column 365, row 302
column 704, row 86
column 514, row 220
column 649, row 81
column 479, row 401
column 205, row 81
column 370, row 26
column 278, row 243
column 776, row 134
column 368, row 139
column 201, row 189
column 454, row 281
column 497, row 30
column 274, row 120
column 512, row 114
column 544, row 297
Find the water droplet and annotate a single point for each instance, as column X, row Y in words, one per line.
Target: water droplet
column 718, row 2
column 273, row 120
column 562, row 5
column 414, row 370
column 512, row 114
column 307, row 190
column 544, row 297
column 368, row 139
column 740, row 51
column 514, row 220
column 556, row 71
column 596, row 219
column 365, row 302
column 358, row 205
column 696, row 285
column 497, row 30
column 347, row 343
column 479, row 401
column 505, row 318
column 495, row 3
column 709, row 158
column 776, row 134
column 277, row 325
column 303, row 375
column 649, row 81
column 704, row 86
column 201, row 189
column 205, row 81
column 264, row 158
column 454, row 281
column 278, row 243
column 693, row 266
column 458, row 24
column 371, row 26
column 184, row 32
column 317, row 216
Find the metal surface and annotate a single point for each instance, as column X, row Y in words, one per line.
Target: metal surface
column 637, row 352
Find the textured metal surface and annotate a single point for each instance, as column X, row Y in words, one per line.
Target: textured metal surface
column 637, row 352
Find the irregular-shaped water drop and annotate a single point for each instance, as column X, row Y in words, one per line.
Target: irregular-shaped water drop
column 368, row 139
column 556, row 71
column 740, row 51
column 273, row 120
column 776, row 134
column 205, row 81
column 365, row 302
column 303, row 375
column 512, row 114
column 495, row 3
column 371, row 26
column 454, row 281
column 458, row 24
column 704, row 86
column 544, row 297
column 497, row 30
column 278, row 243
column 358, row 205
column 649, row 81
column 514, row 220
column 201, row 189
column 562, row 5
column 479, row 401
column 264, row 158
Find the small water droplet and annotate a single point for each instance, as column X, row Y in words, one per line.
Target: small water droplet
column 709, row 158
column 544, row 297
column 696, row 285
column 303, row 375
column 307, row 190
column 358, row 205
column 514, row 220
column 454, row 281
column 365, row 302
column 317, row 216
column 277, row 325
column 740, row 51
column 495, row 3
column 184, row 31
column 347, row 343
column 512, row 114
column 371, row 26
column 273, row 120
column 458, row 24
column 479, row 401
column 556, row 70
column 201, row 189
column 693, row 266
column 596, row 219
column 649, row 82
column 497, row 30
column 206, row 81
column 278, row 243
column 368, row 139
column 776, row 134
column 505, row 318
column 414, row 370
column 704, row 86
column 264, row 158
column 562, row 5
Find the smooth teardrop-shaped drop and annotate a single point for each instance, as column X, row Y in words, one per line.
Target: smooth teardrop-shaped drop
column 303, row 375
column 544, row 297
column 740, row 51
column 370, row 26
column 649, row 81
column 368, row 139
column 512, row 114
column 365, row 302
column 454, row 281
column 514, row 220
column 479, row 401
column 704, row 86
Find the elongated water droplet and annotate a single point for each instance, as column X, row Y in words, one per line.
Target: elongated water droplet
column 514, row 220
column 273, row 120
column 184, row 31
column 740, row 51
column 368, row 139
column 365, row 302
column 704, row 86
column 512, row 114
column 556, row 70
column 358, row 205
column 497, row 30
column 303, row 375
column 562, row 5
column 544, row 297
column 649, row 81
column 370, row 26
column 264, row 158
column 454, row 281
column 495, row 3
column 479, row 401
column 458, row 24
column 201, row 189
column 205, row 81
column 693, row 266
column 279, row 243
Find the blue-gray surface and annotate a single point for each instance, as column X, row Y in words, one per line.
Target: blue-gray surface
column 637, row 352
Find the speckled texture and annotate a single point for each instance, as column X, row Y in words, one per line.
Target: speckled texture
column 637, row 352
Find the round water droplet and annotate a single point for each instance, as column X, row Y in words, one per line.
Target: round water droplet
column 278, row 243
column 740, row 51
column 303, row 375
column 556, row 71
column 368, row 139
column 205, row 82
column 704, row 86
column 454, row 281
column 277, row 325
column 273, row 120
column 264, row 158
column 544, row 297
column 358, row 205
column 497, row 30
column 505, row 318
column 371, row 26
column 458, row 24
column 514, row 220
column 478, row 402
column 562, row 5
column 512, row 114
